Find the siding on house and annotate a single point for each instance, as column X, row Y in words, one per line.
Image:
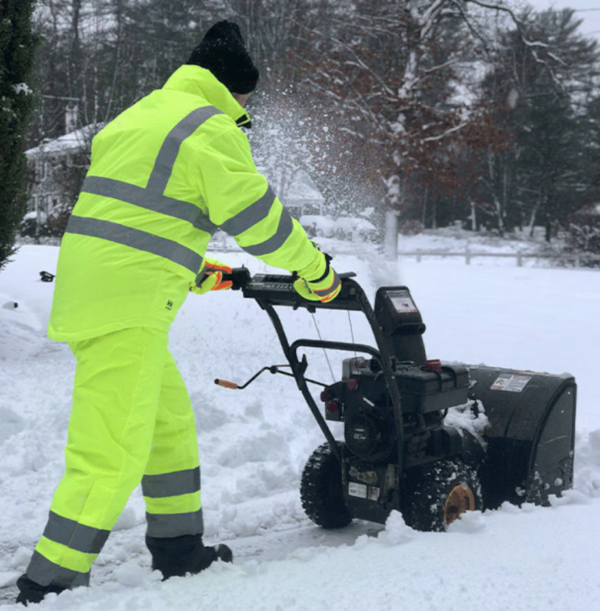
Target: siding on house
column 48, row 185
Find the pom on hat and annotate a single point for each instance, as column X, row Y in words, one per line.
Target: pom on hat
column 223, row 52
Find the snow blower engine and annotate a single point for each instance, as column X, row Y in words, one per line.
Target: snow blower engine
column 427, row 438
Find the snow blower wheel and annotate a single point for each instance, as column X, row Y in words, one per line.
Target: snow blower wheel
column 444, row 492
column 321, row 490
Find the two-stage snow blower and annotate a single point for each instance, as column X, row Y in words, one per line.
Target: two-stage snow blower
column 405, row 446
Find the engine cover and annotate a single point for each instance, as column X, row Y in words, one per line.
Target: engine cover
column 368, row 435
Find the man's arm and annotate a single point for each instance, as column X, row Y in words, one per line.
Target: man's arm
column 241, row 202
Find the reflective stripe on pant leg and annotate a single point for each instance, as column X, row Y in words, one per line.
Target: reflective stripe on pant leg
column 171, row 484
column 43, row 571
column 115, row 400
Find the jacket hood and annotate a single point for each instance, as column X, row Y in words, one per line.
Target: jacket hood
column 201, row 82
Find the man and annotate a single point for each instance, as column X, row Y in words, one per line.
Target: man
column 165, row 174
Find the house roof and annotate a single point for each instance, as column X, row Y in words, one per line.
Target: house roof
column 302, row 190
column 71, row 142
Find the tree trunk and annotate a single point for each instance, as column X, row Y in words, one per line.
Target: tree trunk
column 548, row 236
column 473, row 216
column 391, row 235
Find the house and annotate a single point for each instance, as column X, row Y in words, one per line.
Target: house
column 295, row 189
column 301, row 195
column 56, row 169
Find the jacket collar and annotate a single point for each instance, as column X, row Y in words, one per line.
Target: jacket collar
column 201, row 82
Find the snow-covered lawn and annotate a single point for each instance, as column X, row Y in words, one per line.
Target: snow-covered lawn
column 254, row 444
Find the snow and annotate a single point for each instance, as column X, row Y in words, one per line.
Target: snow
column 470, row 418
column 302, row 190
column 318, row 225
column 254, row 444
column 454, row 239
column 23, row 88
column 344, row 226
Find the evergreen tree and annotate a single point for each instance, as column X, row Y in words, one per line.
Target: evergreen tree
column 540, row 95
column 17, row 46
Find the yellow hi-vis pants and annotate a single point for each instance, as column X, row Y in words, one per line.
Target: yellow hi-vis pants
column 132, row 421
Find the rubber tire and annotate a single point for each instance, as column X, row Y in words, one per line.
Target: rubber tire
column 427, row 503
column 321, row 490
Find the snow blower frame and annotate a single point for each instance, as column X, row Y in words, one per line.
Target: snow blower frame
column 398, row 452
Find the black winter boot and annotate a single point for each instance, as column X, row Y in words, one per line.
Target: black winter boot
column 32, row 592
column 176, row 556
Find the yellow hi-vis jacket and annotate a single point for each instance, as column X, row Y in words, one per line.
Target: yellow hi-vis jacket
column 165, row 175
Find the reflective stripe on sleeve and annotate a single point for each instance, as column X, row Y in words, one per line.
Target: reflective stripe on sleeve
column 175, row 524
column 43, row 571
column 284, row 230
column 334, row 284
column 250, row 216
column 135, row 238
column 171, row 484
column 76, row 536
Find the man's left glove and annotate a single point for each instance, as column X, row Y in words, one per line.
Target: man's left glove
column 212, row 280
column 318, row 282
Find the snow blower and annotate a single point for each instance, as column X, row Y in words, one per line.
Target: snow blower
column 428, row 438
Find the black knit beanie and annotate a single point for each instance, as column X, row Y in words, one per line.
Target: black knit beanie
column 223, row 52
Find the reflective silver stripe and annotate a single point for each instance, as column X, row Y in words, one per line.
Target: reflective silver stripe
column 248, row 217
column 43, row 571
column 74, row 535
column 175, row 525
column 171, row 484
column 334, row 284
column 205, row 224
column 165, row 160
column 131, row 194
column 276, row 241
column 135, row 238
column 152, row 196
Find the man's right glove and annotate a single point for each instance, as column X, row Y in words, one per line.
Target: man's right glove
column 318, row 282
column 211, row 277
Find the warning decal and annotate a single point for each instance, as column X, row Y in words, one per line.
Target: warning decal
column 511, row 383
column 359, row 490
column 402, row 302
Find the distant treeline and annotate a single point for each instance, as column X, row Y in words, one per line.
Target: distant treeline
column 444, row 110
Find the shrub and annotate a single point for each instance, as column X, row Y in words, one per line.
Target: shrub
column 583, row 238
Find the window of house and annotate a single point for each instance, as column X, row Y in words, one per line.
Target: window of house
column 42, row 169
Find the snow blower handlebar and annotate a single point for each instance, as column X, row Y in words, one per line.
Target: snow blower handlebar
column 271, row 290
column 279, row 290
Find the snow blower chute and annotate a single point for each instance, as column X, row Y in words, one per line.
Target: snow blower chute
column 410, row 441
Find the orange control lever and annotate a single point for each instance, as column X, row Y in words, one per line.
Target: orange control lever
column 226, row 384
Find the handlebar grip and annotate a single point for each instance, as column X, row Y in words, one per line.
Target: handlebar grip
column 226, row 384
column 240, row 276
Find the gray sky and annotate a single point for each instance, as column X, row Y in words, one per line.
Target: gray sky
column 587, row 10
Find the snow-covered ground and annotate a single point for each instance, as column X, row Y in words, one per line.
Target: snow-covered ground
column 254, row 444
